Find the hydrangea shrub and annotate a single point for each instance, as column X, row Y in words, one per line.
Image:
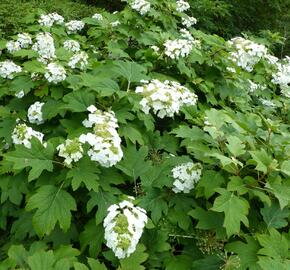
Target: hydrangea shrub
column 133, row 140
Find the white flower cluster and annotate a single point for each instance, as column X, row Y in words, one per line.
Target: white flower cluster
column 44, row 46
column 79, row 60
column 186, row 176
column 165, row 98
column 98, row 17
column 55, row 73
column 188, row 21
column 182, row 5
column 22, row 134
column 105, row 142
column 8, row 69
column 23, row 41
column 124, row 226
column 254, row 86
column 34, row 113
column 72, row 45
column 246, row 52
column 178, row 48
column 50, row 19
column 71, row 150
column 74, row 26
column 282, row 75
column 141, row 6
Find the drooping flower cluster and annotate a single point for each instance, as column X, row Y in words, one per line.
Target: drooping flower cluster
column 79, row 60
column 74, row 26
column 165, row 98
column 34, row 113
column 50, row 19
column 44, row 46
column 124, row 226
column 98, row 17
column 105, row 141
column 71, row 150
column 8, row 69
column 188, row 21
column 55, row 73
column 182, row 5
column 186, row 176
column 246, row 52
column 22, row 134
column 72, row 45
column 141, row 6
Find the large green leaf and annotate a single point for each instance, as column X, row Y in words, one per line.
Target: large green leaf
column 53, row 205
column 78, row 101
column 274, row 216
column 39, row 158
column 235, row 210
column 85, row 171
column 135, row 260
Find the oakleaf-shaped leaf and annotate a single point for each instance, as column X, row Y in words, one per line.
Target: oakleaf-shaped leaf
column 274, row 216
column 235, row 210
column 78, row 101
column 135, row 260
column 39, row 158
column 53, row 205
column 85, row 171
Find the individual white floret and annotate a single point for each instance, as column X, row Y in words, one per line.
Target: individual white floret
column 71, row 150
column 22, row 134
column 182, row 5
column 8, row 69
column 72, row 45
column 13, row 46
column 165, row 98
column 79, row 60
column 20, row 94
column 97, row 17
column 74, row 26
column 155, row 48
column 188, row 21
column 115, row 23
column 124, row 226
column 55, row 73
column 34, row 113
column 141, row 6
column 44, row 46
column 186, row 176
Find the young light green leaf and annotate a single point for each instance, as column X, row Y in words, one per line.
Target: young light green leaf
column 41, row 260
column 135, row 260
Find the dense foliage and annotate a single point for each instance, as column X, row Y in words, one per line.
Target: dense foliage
column 131, row 140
